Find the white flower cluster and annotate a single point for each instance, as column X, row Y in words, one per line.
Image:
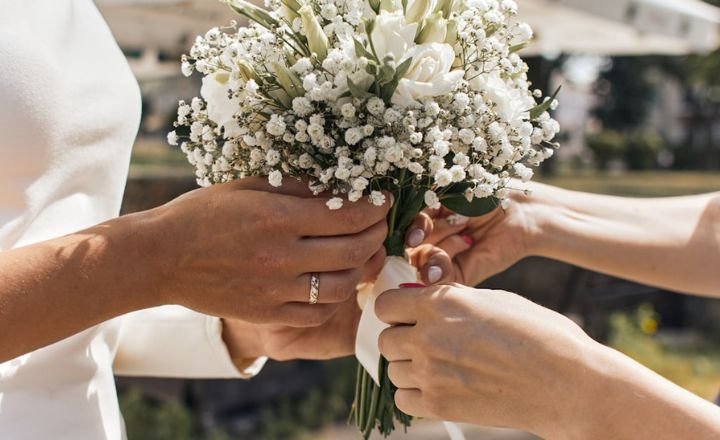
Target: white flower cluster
column 361, row 96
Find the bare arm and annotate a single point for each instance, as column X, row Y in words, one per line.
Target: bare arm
column 225, row 251
column 54, row 289
column 672, row 243
column 495, row 358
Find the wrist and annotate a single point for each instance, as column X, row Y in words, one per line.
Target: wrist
column 538, row 208
column 602, row 385
column 243, row 341
column 139, row 242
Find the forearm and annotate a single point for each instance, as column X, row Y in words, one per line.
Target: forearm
column 621, row 399
column 54, row 289
column 672, row 243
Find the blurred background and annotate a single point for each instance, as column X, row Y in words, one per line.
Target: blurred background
column 640, row 116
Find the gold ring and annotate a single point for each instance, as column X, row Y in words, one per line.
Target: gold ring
column 314, row 287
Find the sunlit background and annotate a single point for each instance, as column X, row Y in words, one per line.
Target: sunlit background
column 640, row 111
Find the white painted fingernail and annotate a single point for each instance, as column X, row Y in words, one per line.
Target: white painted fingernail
column 392, row 200
column 416, row 237
column 434, row 274
column 457, row 220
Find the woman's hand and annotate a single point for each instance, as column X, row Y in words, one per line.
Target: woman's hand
column 484, row 357
column 478, row 247
column 233, row 251
column 495, row 358
column 335, row 338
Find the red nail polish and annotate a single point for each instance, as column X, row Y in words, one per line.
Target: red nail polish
column 412, row 286
column 467, row 239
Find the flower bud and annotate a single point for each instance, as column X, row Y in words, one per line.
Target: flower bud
column 417, row 10
column 434, row 30
column 452, row 32
column 317, row 40
column 293, row 5
column 288, row 14
column 288, row 81
column 289, row 10
column 445, row 7
column 389, row 5
column 247, row 71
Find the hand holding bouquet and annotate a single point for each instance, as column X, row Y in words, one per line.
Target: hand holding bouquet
column 427, row 100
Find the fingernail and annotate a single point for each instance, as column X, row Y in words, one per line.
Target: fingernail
column 457, row 220
column 434, row 274
column 392, row 199
column 416, row 237
column 412, row 286
column 467, row 239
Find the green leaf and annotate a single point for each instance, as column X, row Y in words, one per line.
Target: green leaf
column 252, row 12
column 412, row 204
column 519, row 47
column 386, row 75
column 389, row 89
column 375, row 5
column 293, row 5
column 403, row 68
column 545, row 106
column 361, row 51
column 478, row 207
column 357, row 91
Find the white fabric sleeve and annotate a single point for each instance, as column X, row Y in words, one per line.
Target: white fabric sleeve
column 172, row 341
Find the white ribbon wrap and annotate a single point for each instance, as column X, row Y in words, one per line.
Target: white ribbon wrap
column 396, row 271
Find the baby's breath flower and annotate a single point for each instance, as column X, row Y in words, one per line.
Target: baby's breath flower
column 377, row 198
column 443, row 177
column 335, row 203
column 172, row 138
column 275, row 178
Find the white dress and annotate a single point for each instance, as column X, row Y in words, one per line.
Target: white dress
column 69, row 112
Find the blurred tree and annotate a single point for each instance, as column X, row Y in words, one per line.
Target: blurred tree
column 626, row 93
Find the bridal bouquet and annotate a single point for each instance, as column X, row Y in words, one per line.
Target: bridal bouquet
column 425, row 99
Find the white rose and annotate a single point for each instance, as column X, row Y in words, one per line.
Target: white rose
column 220, row 107
column 429, row 75
column 392, row 35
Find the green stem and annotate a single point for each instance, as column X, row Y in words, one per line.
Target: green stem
column 362, row 414
column 372, row 414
